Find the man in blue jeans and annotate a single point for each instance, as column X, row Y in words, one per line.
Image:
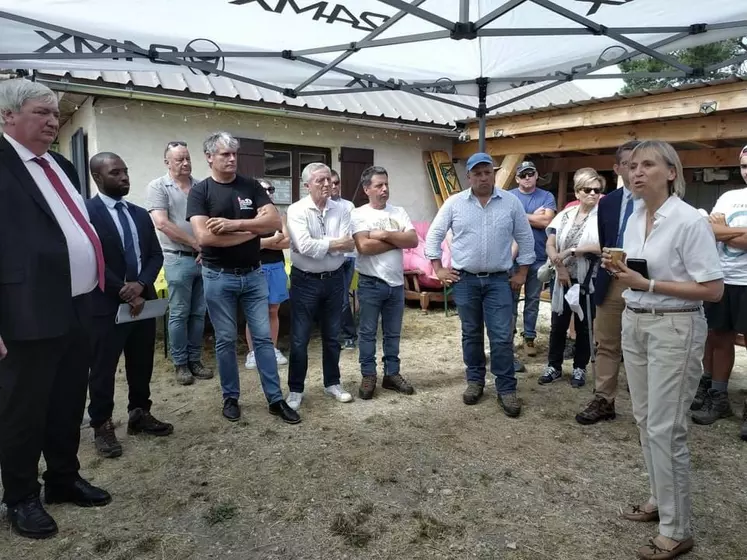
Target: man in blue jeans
column 484, row 220
column 228, row 213
column 347, row 328
column 539, row 206
column 167, row 205
column 381, row 231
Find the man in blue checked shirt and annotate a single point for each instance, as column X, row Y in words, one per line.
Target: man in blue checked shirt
column 484, row 220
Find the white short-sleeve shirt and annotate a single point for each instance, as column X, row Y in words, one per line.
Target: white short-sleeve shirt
column 680, row 248
column 388, row 266
column 733, row 205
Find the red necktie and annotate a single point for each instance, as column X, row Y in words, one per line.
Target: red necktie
column 77, row 214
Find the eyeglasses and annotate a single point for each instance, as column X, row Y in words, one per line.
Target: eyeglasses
column 176, row 143
column 589, row 190
column 526, row 174
column 270, row 190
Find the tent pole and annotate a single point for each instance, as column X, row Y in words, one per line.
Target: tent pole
column 482, row 109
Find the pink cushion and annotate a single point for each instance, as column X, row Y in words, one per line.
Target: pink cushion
column 415, row 259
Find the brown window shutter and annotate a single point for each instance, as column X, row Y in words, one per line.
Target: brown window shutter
column 353, row 161
column 251, row 158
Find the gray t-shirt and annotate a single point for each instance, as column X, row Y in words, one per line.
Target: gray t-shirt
column 164, row 194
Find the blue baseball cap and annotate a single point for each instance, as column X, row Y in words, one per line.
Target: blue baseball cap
column 478, row 158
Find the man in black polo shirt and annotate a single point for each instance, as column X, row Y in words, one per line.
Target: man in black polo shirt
column 228, row 213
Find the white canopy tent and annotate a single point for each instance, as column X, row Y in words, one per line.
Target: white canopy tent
column 429, row 48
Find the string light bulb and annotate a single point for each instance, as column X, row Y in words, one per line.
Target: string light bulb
column 185, row 119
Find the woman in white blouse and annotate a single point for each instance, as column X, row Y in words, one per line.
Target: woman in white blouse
column 663, row 334
column 572, row 235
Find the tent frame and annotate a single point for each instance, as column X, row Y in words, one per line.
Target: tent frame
column 463, row 29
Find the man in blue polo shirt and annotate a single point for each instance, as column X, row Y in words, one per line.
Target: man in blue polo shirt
column 540, row 209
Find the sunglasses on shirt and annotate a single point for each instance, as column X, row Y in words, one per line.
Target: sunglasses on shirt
column 589, row 190
column 526, row 174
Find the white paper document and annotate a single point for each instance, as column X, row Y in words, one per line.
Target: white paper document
column 153, row 308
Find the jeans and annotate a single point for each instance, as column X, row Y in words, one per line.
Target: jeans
column 379, row 299
column 487, row 302
column 532, row 292
column 559, row 324
column 347, row 327
column 224, row 290
column 186, row 307
column 313, row 297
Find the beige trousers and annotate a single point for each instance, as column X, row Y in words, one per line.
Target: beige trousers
column 663, row 362
column 607, row 328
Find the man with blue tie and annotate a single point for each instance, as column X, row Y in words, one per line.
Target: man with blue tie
column 612, row 215
column 133, row 260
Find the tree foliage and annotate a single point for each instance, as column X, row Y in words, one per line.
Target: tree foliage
column 695, row 57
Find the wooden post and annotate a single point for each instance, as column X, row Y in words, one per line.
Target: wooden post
column 562, row 189
column 504, row 177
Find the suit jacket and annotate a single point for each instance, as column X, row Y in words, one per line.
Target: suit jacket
column 35, row 283
column 608, row 221
column 106, row 303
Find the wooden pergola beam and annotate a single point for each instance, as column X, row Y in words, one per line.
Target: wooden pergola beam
column 716, row 127
column 504, row 177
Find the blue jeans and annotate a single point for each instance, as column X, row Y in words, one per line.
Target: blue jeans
column 379, row 299
column 313, row 297
column 224, row 291
column 186, row 308
column 487, row 302
column 347, row 327
column 532, row 292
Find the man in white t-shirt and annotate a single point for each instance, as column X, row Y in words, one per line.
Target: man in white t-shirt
column 381, row 231
column 728, row 317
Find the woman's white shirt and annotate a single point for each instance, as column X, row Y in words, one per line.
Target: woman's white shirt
column 680, row 248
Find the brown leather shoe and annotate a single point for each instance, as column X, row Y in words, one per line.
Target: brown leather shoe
column 367, row 388
column 105, row 440
column 653, row 551
column 472, row 393
column 640, row 514
column 143, row 422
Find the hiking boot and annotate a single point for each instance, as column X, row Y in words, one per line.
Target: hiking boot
column 531, row 350
column 510, row 404
column 368, row 387
column 472, row 393
column 743, row 431
column 199, row 371
column 397, row 383
column 106, row 442
column 143, row 422
column 183, row 375
column 598, row 409
column 715, row 407
column 578, row 377
column 701, row 393
column 550, row 374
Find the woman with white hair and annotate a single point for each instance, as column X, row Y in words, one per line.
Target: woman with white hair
column 672, row 267
column 572, row 235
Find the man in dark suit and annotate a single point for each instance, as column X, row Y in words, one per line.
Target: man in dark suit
column 133, row 260
column 612, row 216
column 50, row 263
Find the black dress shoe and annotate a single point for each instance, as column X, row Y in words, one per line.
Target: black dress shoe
column 231, row 410
column 29, row 519
column 281, row 408
column 81, row 493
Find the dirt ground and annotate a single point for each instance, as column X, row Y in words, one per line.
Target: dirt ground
column 393, row 478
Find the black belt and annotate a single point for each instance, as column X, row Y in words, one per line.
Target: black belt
column 663, row 310
column 181, row 253
column 237, row 271
column 317, row 275
column 482, row 274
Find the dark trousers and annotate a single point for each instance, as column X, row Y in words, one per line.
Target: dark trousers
column 315, row 298
column 347, row 327
column 137, row 340
column 559, row 324
column 42, row 398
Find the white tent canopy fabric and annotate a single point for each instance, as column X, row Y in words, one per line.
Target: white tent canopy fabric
column 424, row 47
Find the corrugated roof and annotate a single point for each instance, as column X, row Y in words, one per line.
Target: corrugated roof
column 396, row 105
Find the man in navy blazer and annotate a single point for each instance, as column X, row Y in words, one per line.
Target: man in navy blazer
column 133, row 260
column 612, row 216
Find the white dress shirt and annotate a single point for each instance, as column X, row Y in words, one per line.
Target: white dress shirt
column 311, row 231
column 83, row 272
column 110, row 204
column 680, row 248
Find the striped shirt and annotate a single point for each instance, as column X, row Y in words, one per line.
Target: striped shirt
column 311, row 232
column 482, row 236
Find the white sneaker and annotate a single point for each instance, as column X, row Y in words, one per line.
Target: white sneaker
column 294, row 400
column 251, row 362
column 279, row 358
column 338, row 393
